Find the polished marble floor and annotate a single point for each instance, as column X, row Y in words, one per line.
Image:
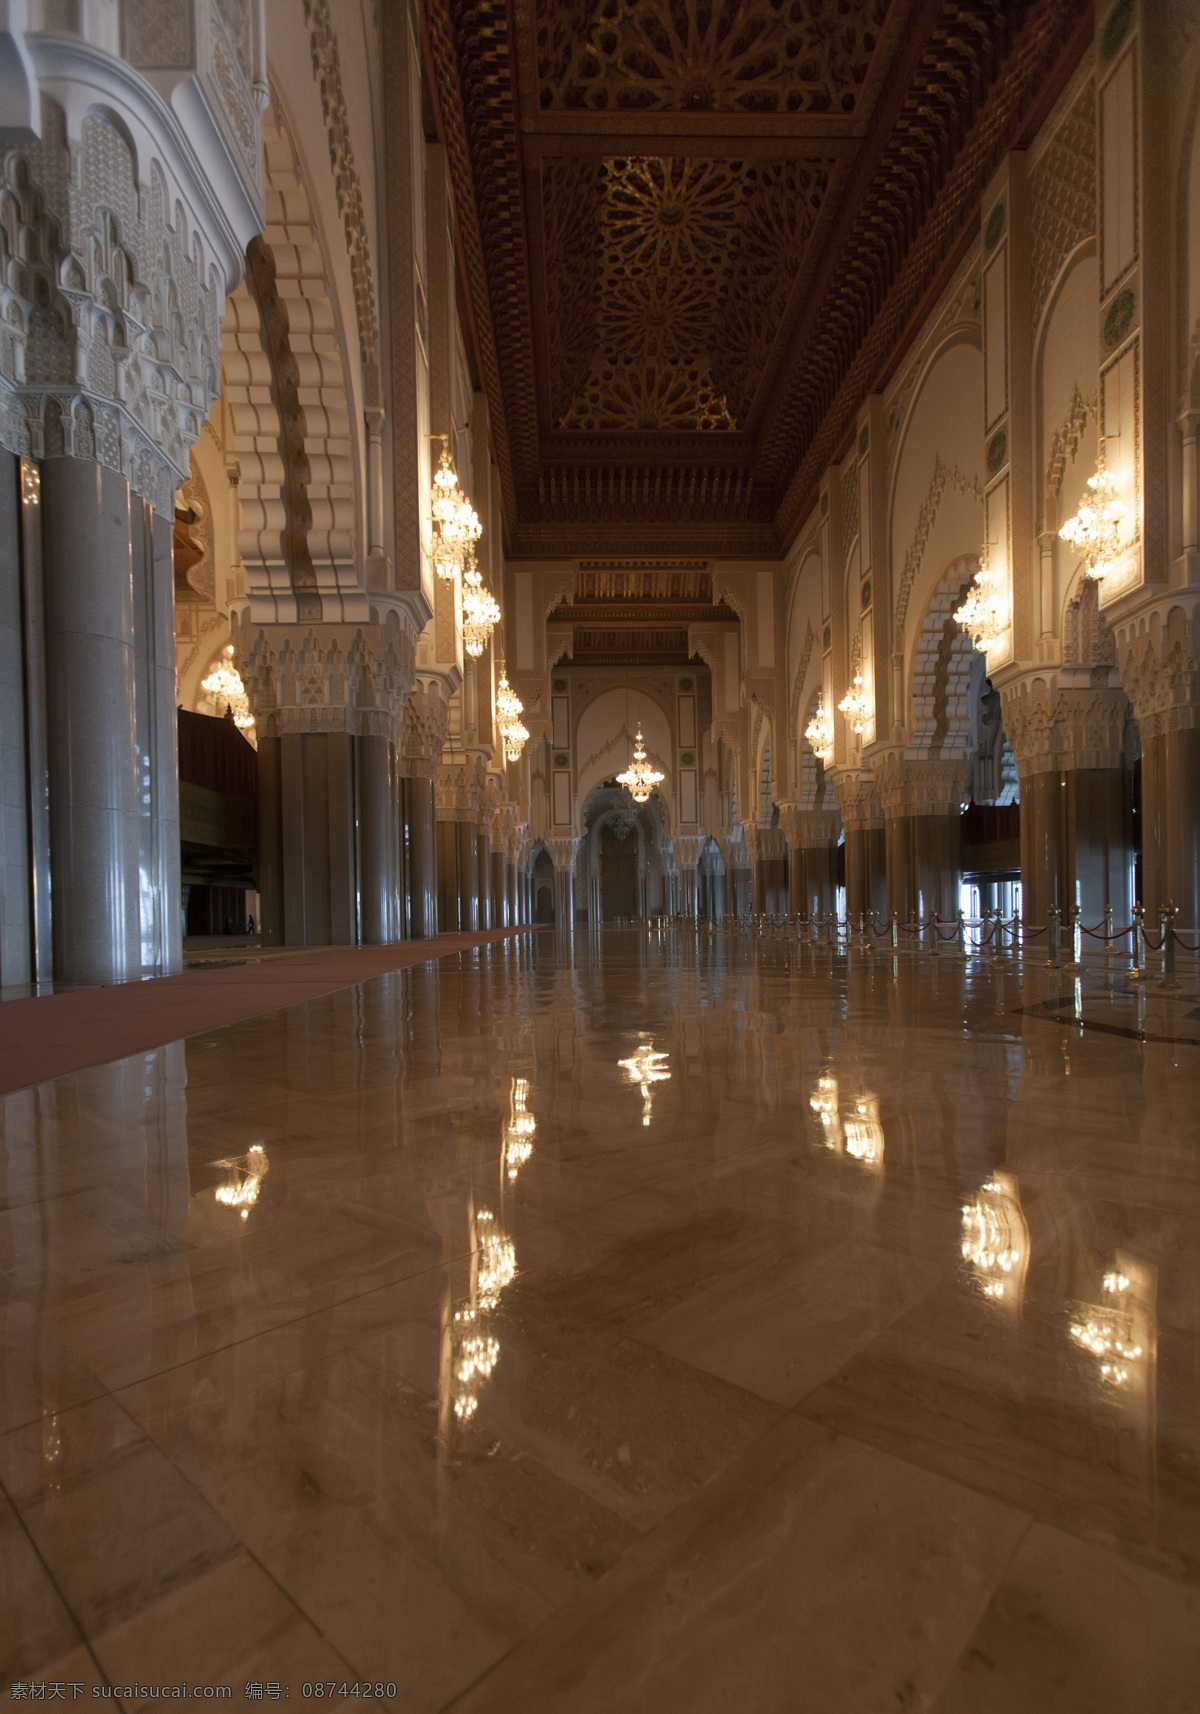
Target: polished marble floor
column 643, row 1322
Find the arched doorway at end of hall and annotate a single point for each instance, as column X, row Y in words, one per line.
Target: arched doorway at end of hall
column 542, row 887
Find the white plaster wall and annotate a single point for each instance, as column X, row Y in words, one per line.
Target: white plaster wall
column 604, row 743
column 1068, row 359
column 945, row 422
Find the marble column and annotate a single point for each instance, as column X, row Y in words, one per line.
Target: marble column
column 379, row 857
column 1159, row 652
column 687, row 855
column 91, row 722
column 420, row 845
column 159, row 888
column 866, row 844
column 483, row 856
column 812, row 836
column 1071, row 747
column 21, row 706
column 922, row 805
column 563, row 852
column 499, row 891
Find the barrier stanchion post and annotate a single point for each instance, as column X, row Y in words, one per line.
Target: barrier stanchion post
column 998, row 940
column 934, row 948
column 1075, row 962
column 1168, row 979
column 1054, row 960
column 1108, row 933
column 895, row 933
column 962, row 939
column 1137, row 955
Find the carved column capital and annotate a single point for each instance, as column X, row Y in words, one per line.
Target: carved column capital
column 1051, row 726
column 857, row 798
column 909, row 785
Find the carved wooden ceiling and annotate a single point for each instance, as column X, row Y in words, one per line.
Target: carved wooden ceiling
column 697, row 232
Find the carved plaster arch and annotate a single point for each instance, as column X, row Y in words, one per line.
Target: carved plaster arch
column 959, row 333
column 1086, row 638
column 284, row 375
column 939, row 702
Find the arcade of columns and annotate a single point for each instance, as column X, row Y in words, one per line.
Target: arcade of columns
column 229, row 286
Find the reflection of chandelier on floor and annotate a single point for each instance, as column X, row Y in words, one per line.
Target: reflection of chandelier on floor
column 456, row 526
column 984, row 614
column 1096, row 527
column 818, row 734
column 646, row 1068
column 224, row 685
column 509, row 709
column 640, row 778
column 481, row 613
column 518, row 1133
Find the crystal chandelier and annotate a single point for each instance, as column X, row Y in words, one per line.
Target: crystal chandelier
column 984, row 614
column 509, row 709
column 481, row 613
column 1096, row 527
column 854, row 706
column 819, row 733
column 456, row 526
column 224, row 685
column 639, row 776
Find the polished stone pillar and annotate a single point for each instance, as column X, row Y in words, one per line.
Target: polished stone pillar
column 922, row 805
column 159, row 887
column 1076, row 799
column 91, row 722
column 563, row 852
column 499, row 892
column 458, row 876
column 1171, row 824
column 812, row 836
column 420, row 848
column 16, row 842
column 379, row 826
column 483, row 855
column 866, row 844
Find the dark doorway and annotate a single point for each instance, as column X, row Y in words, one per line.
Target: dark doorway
column 618, row 875
column 543, row 888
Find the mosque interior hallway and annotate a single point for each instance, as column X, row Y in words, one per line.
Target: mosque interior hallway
column 639, row 1319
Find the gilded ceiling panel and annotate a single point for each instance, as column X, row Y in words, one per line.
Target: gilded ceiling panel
column 666, row 281
column 705, row 56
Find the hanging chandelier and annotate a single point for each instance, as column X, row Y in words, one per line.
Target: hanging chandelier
column 509, row 709
column 854, row 706
column 984, row 614
column 819, row 733
column 1096, row 527
column 224, row 685
column 456, row 526
column 639, row 776
column 481, row 613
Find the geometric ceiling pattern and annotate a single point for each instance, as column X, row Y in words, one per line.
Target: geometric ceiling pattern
column 666, row 279
column 696, row 234
column 704, row 56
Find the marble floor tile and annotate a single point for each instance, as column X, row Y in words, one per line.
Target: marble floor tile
column 230, row 1626
column 814, row 1576
column 309, row 1352
column 114, row 1523
column 35, row 1625
column 335, row 1453
column 1076, row 1629
column 38, row 1377
column 1024, row 1412
column 781, row 1327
